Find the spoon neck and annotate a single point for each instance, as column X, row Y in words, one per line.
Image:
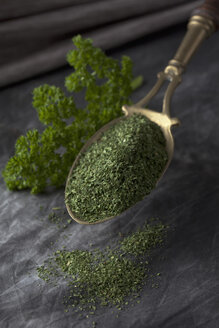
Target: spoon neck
column 199, row 28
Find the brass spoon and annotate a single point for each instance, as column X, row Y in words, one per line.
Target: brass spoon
column 199, row 28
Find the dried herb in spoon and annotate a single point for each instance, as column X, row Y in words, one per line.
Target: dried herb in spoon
column 118, row 170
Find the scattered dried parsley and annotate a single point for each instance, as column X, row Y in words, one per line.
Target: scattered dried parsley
column 143, row 239
column 113, row 276
column 118, row 170
column 59, row 217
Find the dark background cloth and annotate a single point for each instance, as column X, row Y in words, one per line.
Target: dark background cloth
column 36, row 35
column 187, row 198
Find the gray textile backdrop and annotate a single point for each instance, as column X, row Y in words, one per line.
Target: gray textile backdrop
column 187, row 198
column 35, row 35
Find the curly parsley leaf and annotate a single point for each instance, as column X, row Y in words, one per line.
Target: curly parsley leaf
column 44, row 159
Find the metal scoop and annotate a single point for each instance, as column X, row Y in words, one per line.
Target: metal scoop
column 199, row 28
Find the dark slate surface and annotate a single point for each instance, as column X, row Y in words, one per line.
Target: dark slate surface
column 187, row 198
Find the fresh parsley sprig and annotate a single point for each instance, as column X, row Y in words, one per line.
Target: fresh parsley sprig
column 44, row 159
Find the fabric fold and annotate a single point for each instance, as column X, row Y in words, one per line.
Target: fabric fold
column 39, row 43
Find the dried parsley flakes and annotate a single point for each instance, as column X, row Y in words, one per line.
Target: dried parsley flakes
column 118, row 170
column 113, row 276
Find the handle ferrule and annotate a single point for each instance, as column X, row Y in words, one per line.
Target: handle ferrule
column 199, row 28
column 209, row 9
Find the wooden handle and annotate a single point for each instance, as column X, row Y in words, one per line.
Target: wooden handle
column 210, row 8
